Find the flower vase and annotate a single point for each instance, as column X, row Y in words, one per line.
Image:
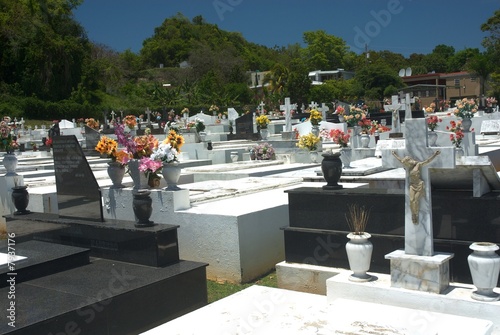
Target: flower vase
column 359, row 253
column 171, row 172
column 432, row 137
column 139, row 178
column 10, row 164
column 154, row 180
column 264, row 133
column 142, row 206
column 234, row 156
column 459, row 152
column 116, row 172
column 341, row 118
column 20, row 199
column 314, row 155
column 364, row 140
column 331, row 166
column 202, row 135
column 315, row 130
column 346, row 157
column 484, row 264
column 466, row 124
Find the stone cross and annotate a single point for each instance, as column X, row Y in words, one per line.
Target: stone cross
column 313, row 105
column 324, row 108
column 417, row 158
column 113, row 115
column 261, row 107
column 406, row 101
column 287, row 108
column 148, row 113
column 121, row 113
column 394, row 107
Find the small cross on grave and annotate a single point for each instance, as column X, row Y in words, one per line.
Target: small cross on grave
column 313, row 105
column 113, row 115
column 407, row 101
column 417, row 267
column 394, row 107
column 148, row 113
column 261, row 107
column 417, row 158
column 287, row 108
column 324, row 108
column 121, row 113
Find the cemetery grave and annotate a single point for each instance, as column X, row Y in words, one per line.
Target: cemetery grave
column 268, row 213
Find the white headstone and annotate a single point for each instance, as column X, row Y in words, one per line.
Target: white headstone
column 65, row 124
column 232, row 114
column 416, row 158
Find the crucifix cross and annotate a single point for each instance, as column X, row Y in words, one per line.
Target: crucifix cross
column 287, row 108
column 394, row 107
column 113, row 115
column 417, row 157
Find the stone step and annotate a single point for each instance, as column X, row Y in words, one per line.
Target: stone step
column 41, row 259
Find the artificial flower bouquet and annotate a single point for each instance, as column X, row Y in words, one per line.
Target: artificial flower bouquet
column 315, row 117
column 457, row 133
column 309, row 142
column 262, row 121
column 339, row 137
column 433, row 122
column 466, row 108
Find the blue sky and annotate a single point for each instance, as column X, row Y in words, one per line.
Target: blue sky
column 401, row 26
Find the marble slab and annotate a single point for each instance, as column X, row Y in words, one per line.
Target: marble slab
column 421, row 273
column 265, row 310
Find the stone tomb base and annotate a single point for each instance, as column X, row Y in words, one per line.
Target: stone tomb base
column 421, row 273
column 265, row 310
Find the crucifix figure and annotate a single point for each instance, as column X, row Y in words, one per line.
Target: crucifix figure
column 417, row 157
column 416, row 187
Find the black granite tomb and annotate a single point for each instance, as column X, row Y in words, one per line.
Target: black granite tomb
column 318, row 227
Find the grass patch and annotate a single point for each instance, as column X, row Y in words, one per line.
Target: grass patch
column 218, row 291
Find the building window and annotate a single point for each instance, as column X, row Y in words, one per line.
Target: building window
column 457, row 83
column 473, row 79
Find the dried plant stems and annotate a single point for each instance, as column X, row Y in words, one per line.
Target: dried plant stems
column 357, row 218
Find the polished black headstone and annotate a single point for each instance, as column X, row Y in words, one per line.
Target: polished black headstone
column 78, row 193
column 244, row 129
column 318, row 229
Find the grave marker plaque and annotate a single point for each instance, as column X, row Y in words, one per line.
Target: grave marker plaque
column 78, row 193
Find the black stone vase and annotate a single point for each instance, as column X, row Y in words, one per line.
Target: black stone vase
column 20, row 199
column 142, row 206
column 331, row 166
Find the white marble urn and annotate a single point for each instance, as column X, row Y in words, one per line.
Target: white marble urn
column 484, row 264
column 359, row 253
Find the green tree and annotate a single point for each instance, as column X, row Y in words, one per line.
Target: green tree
column 373, row 79
column 323, row 51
